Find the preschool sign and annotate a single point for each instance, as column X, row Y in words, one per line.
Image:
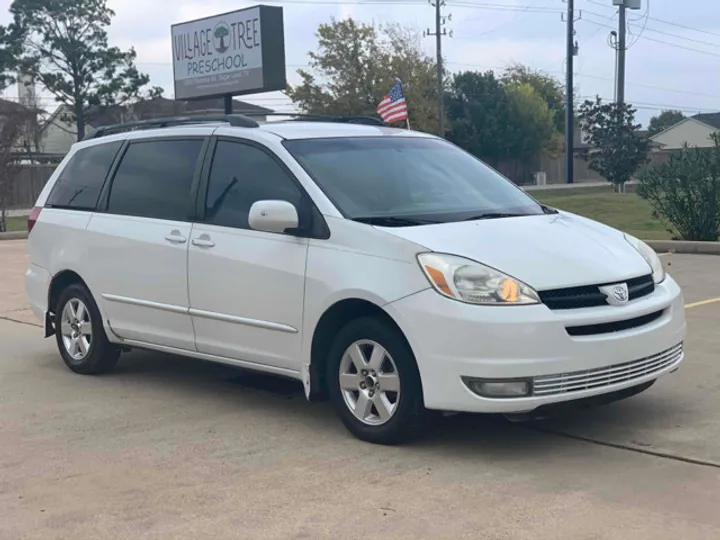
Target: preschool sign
column 236, row 53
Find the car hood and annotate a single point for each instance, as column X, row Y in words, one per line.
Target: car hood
column 546, row 251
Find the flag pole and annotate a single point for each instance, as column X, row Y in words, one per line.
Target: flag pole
column 407, row 120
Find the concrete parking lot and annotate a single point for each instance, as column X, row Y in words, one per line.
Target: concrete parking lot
column 172, row 448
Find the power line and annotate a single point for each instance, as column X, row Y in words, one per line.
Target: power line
column 521, row 15
column 583, row 75
column 648, row 38
column 644, row 27
column 658, row 106
column 663, row 21
column 607, row 20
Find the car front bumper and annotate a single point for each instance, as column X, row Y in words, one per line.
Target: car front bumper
column 452, row 340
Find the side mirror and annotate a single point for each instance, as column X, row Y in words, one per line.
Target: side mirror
column 273, row 216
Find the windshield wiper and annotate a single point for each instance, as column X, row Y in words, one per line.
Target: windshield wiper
column 549, row 210
column 494, row 215
column 392, row 221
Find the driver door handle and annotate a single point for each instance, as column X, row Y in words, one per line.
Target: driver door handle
column 203, row 241
column 176, row 238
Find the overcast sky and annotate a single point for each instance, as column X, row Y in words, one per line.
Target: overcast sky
column 683, row 72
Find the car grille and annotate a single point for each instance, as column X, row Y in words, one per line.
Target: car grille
column 564, row 383
column 615, row 326
column 590, row 295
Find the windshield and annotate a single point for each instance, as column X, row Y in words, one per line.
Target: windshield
column 402, row 181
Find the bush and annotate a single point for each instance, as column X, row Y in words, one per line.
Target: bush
column 685, row 192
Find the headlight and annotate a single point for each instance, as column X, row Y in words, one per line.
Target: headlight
column 658, row 271
column 474, row 283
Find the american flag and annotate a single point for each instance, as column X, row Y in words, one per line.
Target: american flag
column 393, row 107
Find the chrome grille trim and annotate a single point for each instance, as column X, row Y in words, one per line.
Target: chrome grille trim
column 549, row 385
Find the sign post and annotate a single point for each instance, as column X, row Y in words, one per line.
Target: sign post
column 242, row 52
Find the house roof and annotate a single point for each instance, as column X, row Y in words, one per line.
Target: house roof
column 711, row 119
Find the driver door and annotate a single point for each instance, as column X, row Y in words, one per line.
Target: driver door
column 246, row 286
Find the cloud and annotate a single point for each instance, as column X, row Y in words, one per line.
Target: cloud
column 490, row 39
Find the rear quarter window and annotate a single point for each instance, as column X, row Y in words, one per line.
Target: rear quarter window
column 154, row 179
column 80, row 182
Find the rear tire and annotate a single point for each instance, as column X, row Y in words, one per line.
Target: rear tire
column 374, row 383
column 80, row 335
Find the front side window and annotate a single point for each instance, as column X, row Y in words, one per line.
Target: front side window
column 154, row 179
column 242, row 175
column 80, row 182
column 408, row 180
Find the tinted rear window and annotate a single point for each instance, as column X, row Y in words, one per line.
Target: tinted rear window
column 154, row 179
column 80, row 182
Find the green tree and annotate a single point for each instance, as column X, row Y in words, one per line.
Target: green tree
column 355, row 66
column 499, row 122
column 65, row 48
column 663, row 121
column 550, row 89
column 684, row 192
column 531, row 123
column 478, row 111
column 616, row 150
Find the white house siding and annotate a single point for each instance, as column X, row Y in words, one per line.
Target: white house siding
column 688, row 131
column 57, row 137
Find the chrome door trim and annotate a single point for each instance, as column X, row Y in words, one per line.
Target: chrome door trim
column 211, row 315
column 145, row 303
column 242, row 320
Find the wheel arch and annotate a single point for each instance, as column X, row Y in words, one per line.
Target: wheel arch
column 332, row 320
column 60, row 281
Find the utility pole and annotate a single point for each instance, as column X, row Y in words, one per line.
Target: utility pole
column 439, row 33
column 621, row 48
column 571, row 51
column 618, row 41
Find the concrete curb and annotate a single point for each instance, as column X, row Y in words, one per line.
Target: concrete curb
column 14, row 235
column 682, row 246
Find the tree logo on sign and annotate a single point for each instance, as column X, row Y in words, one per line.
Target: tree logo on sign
column 220, row 37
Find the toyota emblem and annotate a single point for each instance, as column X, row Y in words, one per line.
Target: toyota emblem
column 616, row 294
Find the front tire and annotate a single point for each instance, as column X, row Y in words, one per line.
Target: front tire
column 80, row 335
column 374, row 383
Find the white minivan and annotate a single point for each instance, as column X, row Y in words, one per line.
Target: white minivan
column 387, row 270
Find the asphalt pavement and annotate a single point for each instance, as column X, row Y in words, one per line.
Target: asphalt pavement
column 167, row 447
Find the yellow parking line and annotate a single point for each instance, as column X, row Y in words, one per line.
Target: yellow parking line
column 664, row 254
column 703, row 303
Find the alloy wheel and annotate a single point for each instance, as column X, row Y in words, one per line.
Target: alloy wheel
column 369, row 382
column 76, row 329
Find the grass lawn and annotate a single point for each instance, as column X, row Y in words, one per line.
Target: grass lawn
column 625, row 211
column 16, row 223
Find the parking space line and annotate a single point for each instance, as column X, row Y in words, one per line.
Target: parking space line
column 702, row 303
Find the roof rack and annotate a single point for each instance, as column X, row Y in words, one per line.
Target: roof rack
column 365, row 120
column 235, row 120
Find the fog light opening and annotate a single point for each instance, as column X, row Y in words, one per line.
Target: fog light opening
column 499, row 388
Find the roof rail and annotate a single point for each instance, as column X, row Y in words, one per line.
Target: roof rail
column 365, row 120
column 235, row 120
